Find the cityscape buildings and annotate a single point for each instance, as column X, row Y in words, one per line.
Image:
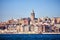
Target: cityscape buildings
column 31, row 25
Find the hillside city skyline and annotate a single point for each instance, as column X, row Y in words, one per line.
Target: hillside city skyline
column 31, row 25
column 10, row 18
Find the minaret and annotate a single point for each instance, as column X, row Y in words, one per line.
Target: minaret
column 32, row 15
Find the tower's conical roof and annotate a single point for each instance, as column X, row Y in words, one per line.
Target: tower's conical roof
column 32, row 11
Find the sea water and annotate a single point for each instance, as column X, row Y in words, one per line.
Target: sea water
column 29, row 36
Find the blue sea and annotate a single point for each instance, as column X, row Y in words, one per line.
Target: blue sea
column 29, row 36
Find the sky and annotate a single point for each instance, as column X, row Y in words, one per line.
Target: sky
column 22, row 8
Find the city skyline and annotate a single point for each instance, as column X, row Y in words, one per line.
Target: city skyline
column 22, row 8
